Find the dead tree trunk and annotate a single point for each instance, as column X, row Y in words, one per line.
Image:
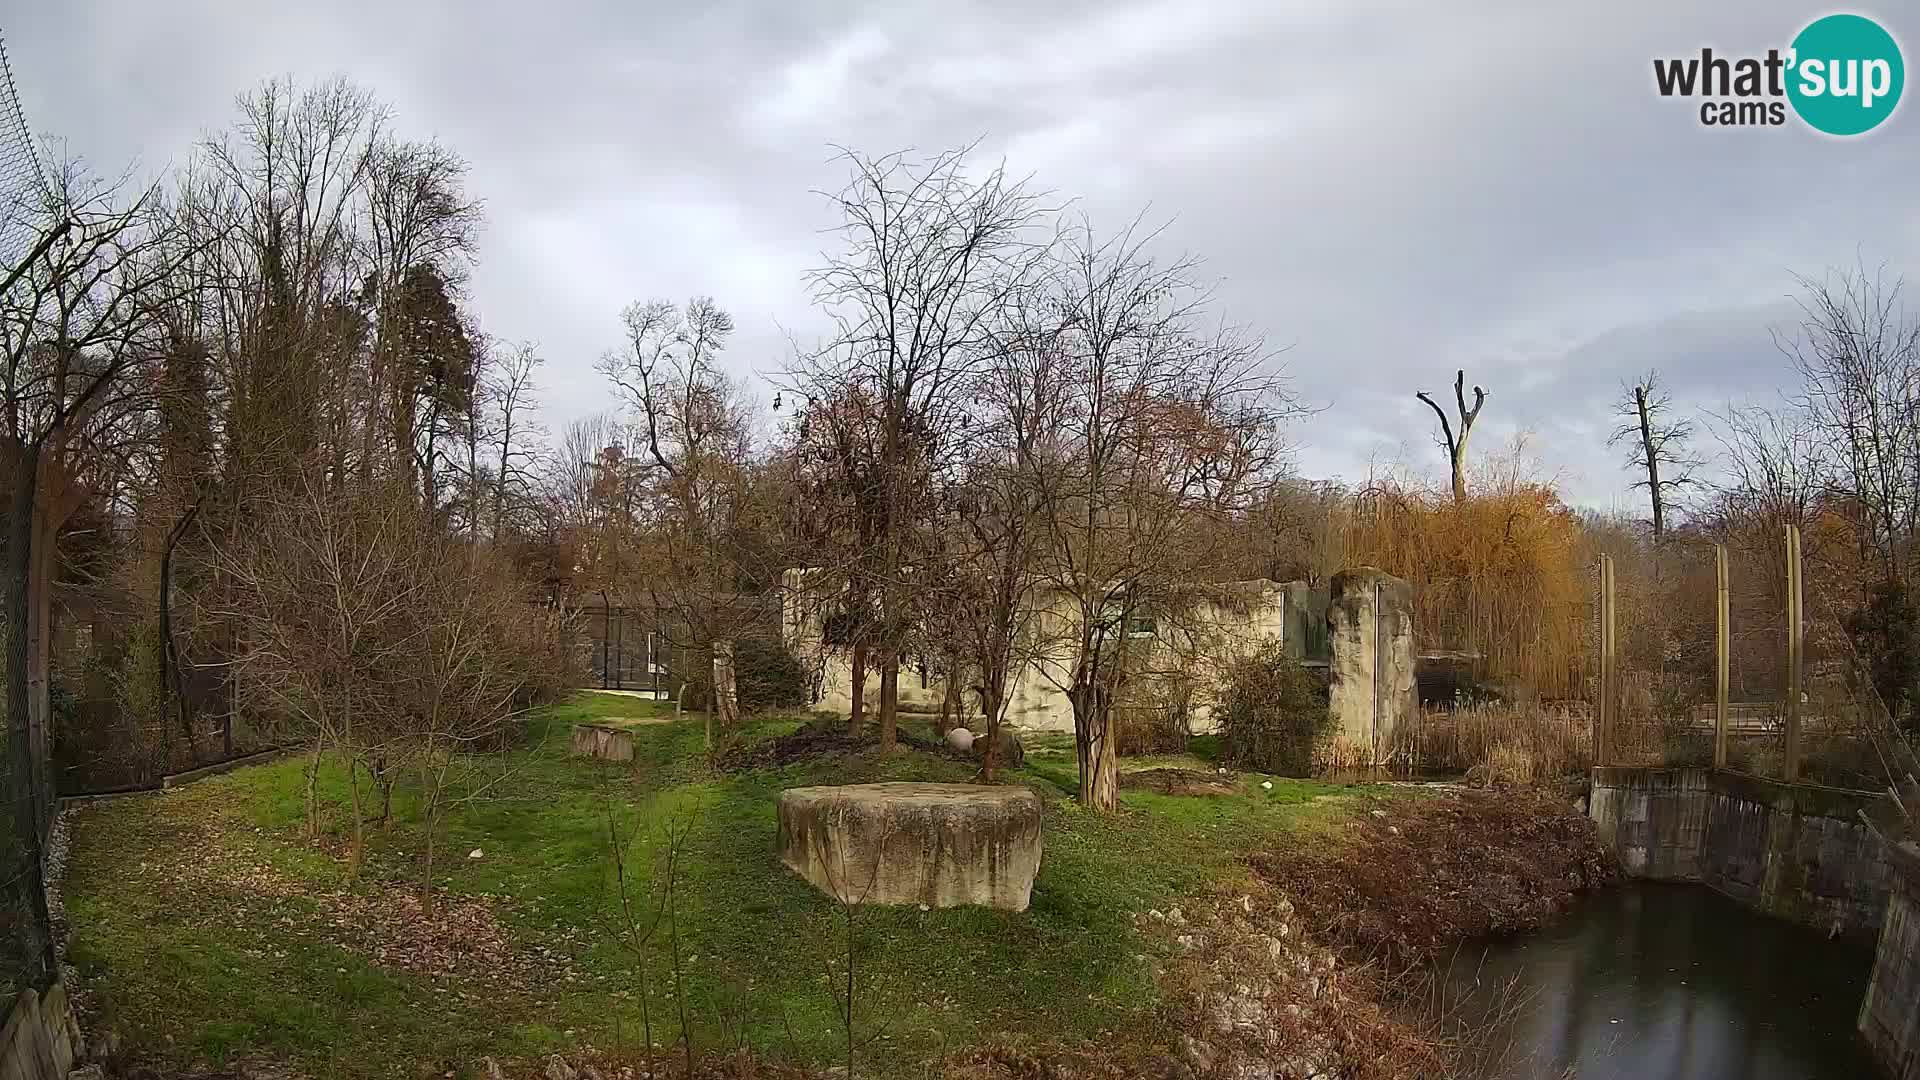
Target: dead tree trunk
column 1652, row 453
column 949, row 704
column 172, row 685
column 889, row 699
column 726, row 694
column 1456, row 445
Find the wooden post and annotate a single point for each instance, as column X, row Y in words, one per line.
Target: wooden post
column 1603, row 722
column 1795, row 634
column 1721, row 650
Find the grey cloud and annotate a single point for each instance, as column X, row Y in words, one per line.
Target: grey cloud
column 1392, row 189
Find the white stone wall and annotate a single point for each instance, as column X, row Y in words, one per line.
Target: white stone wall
column 1196, row 645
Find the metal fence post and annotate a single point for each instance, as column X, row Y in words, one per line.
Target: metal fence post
column 1722, row 648
column 1795, row 645
column 1603, row 723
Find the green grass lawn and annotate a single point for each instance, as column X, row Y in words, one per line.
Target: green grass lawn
column 206, row 929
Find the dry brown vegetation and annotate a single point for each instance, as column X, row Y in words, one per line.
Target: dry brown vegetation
column 1499, row 744
column 1407, row 881
column 1500, row 573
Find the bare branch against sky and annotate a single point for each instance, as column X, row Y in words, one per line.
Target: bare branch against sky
column 1548, row 222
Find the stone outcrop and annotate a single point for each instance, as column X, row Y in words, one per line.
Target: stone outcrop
column 940, row 845
column 1370, row 690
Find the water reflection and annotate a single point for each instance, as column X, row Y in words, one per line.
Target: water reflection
column 1672, row 981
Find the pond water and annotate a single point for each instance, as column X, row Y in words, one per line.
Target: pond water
column 1668, row 981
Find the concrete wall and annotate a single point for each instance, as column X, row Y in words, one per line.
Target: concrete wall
column 801, row 620
column 37, row 1042
column 1795, row 851
column 1224, row 621
column 1370, row 674
column 1890, row 1013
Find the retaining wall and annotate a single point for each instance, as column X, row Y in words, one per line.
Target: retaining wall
column 1890, row 1013
column 1796, row 851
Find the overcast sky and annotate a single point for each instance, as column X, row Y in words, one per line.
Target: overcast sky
column 1389, row 190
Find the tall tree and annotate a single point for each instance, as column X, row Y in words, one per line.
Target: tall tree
column 1154, row 424
column 1858, row 354
column 1656, row 443
column 930, row 251
column 697, row 447
column 78, row 318
column 511, row 392
column 1455, row 444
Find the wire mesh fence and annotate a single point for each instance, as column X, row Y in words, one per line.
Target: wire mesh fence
column 1687, row 651
column 22, row 183
column 1718, row 655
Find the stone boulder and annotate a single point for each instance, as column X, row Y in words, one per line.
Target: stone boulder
column 941, row 845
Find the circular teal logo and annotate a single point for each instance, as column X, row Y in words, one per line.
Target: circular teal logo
column 1846, row 75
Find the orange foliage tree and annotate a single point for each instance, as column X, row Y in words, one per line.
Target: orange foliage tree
column 1497, row 575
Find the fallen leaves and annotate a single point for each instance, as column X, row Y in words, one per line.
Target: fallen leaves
column 461, row 939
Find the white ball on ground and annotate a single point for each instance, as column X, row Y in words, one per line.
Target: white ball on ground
column 960, row 739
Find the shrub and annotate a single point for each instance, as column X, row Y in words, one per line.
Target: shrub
column 766, row 675
column 1154, row 717
column 547, row 642
column 1145, row 729
column 1886, row 635
column 1272, row 713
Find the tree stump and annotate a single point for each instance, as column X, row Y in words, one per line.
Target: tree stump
column 602, row 741
column 941, row 845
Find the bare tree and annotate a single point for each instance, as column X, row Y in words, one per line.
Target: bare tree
column 1656, row 443
column 1454, row 444
column 833, row 457
column 77, row 318
column 930, row 251
column 287, row 185
column 697, row 441
column 459, row 691
column 325, row 591
column 1775, row 464
column 512, row 394
column 1154, row 424
column 1858, row 354
column 987, row 606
